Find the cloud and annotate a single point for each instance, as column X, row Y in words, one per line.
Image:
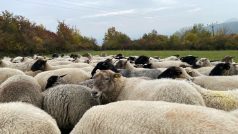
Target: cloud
column 168, row 2
column 116, row 13
column 157, row 9
column 197, row 9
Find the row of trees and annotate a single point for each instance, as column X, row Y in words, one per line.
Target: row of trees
column 197, row 37
column 20, row 36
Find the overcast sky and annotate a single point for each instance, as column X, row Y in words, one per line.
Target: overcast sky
column 133, row 17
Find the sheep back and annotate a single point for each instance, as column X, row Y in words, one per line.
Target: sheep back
column 67, row 104
column 21, row 88
column 23, row 118
column 155, row 117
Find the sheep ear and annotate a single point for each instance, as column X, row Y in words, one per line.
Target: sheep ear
column 117, row 75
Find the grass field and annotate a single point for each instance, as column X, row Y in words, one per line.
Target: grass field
column 213, row 55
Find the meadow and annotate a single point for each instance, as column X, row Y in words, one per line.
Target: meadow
column 213, row 55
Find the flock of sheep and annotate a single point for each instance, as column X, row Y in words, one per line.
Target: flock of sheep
column 116, row 94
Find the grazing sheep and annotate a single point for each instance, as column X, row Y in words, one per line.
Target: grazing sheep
column 220, row 83
column 67, row 104
column 116, row 87
column 148, row 117
column 23, row 118
column 44, row 66
column 73, row 76
column 131, row 71
column 21, row 88
column 8, row 72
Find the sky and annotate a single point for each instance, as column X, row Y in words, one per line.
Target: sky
column 133, row 17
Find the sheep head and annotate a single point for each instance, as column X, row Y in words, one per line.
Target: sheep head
column 106, row 82
column 39, row 65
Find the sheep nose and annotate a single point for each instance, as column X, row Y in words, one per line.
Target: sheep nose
column 94, row 93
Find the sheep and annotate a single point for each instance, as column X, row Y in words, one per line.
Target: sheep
column 131, row 71
column 203, row 62
column 166, row 64
column 220, row 83
column 67, row 104
column 23, row 66
column 142, row 60
column 191, row 60
column 148, row 117
column 73, row 76
column 17, row 59
column 119, row 56
column 21, row 88
column 55, row 55
column 104, row 65
column 228, row 59
column 171, row 58
column 234, row 112
column 87, row 83
column 23, row 118
column 223, row 100
column 44, row 66
column 8, row 72
column 116, row 87
column 220, row 69
column 193, row 72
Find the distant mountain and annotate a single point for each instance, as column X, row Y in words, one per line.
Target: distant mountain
column 231, row 26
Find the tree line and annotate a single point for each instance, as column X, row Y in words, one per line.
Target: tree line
column 20, row 36
column 197, row 37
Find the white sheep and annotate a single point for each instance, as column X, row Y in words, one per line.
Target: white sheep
column 67, row 104
column 21, row 88
column 44, row 66
column 131, row 71
column 155, row 117
column 23, row 66
column 8, row 72
column 223, row 100
column 220, row 83
column 22, row 118
column 166, row 64
column 72, row 76
column 204, row 62
column 116, row 87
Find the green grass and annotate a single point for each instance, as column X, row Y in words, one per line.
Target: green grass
column 213, row 55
